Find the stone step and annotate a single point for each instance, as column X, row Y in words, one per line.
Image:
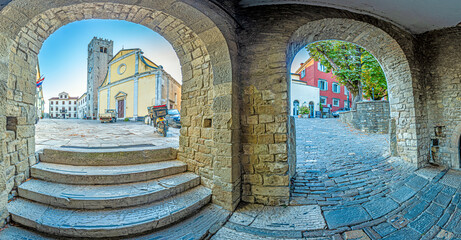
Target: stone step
column 87, row 175
column 199, row 226
column 108, row 222
column 107, row 158
column 106, row 196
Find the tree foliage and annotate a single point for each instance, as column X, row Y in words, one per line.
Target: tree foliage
column 353, row 67
column 373, row 78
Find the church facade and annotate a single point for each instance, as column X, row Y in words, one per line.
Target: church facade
column 133, row 83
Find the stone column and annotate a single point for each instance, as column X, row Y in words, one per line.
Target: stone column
column 135, row 98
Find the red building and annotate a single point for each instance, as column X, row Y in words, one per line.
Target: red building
column 332, row 94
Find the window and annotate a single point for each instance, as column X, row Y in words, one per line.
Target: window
column 75, row 115
column 323, row 100
column 75, row 109
column 101, row 49
column 63, row 109
column 70, row 102
column 175, row 97
column 322, row 68
column 51, row 102
column 105, row 50
column 336, row 88
column 70, row 108
column 335, row 102
column 346, row 92
column 346, row 104
column 75, row 102
column 323, row 85
column 51, row 109
column 303, row 73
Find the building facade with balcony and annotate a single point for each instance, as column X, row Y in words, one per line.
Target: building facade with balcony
column 332, row 94
column 63, row 106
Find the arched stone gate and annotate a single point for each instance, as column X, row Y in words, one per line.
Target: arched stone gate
column 206, row 52
column 268, row 133
column 393, row 62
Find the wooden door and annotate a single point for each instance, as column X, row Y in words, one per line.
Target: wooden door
column 121, row 108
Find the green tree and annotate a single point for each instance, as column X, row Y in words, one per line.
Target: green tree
column 353, row 67
column 373, row 78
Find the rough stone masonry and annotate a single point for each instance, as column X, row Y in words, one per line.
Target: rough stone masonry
column 370, row 116
column 235, row 65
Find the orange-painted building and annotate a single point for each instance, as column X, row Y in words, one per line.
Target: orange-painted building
column 332, row 94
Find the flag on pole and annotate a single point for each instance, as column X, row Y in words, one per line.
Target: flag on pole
column 40, row 81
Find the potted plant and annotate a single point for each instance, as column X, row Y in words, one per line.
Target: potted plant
column 304, row 111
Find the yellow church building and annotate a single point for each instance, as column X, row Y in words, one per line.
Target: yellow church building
column 133, row 82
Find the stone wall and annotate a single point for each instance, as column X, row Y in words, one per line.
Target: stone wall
column 348, row 117
column 442, row 54
column 235, row 103
column 371, row 117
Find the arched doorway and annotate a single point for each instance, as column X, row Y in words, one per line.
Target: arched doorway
column 263, row 93
column 395, row 74
column 296, row 108
column 207, row 69
column 311, row 109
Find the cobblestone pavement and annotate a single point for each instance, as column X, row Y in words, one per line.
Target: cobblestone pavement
column 347, row 187
column 92, row 135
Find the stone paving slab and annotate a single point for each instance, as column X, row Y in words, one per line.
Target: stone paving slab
column 106, row 196
column 18, row 233
column 76, row 134
column 105, row 174
column 402, row 194
column 380, row 207
column 346, row 217
column 452, row 178
column 423, row 223
column 110, row 222
column 107, row 158
column 207, row 221
column 230, row 234
column 417, row 182
column 308, row 217
column 404, row 234
column 199, row 226
column 429, row 172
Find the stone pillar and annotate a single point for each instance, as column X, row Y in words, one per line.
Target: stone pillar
column 135, row 99
column 226, row 166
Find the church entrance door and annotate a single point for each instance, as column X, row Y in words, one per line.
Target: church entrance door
column 121, row 108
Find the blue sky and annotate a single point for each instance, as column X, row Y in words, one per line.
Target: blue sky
column 300, row 57
column 63, row 56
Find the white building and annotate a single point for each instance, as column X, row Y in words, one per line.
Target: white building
column 303, row 95
column 82, row 107
column 63, row 106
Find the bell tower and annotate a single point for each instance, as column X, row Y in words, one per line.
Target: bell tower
column 100, row 52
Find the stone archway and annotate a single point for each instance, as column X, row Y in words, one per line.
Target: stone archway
column 393, row 62
column 269, row 147
column 206, row 54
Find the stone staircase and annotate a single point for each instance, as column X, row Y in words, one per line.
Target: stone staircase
column 101, row 195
